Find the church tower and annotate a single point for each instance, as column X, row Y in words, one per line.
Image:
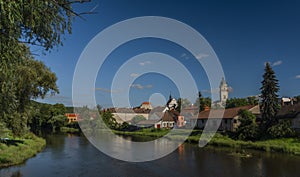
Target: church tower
column 223, row 91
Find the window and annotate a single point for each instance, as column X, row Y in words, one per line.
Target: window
column 234, row 121
column 165, row 124
column 225, row 121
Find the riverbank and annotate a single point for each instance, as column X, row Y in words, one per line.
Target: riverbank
column 284, row 145
column 18, row 150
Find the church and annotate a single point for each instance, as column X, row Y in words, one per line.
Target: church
column 224, row 90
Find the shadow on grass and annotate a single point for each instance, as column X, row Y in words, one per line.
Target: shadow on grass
column 9, row 142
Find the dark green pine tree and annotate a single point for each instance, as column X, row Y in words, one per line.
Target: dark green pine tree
column 269, row 105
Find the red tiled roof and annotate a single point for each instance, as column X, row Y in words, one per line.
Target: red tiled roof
column 71, row 115
column 170, row 115
column 216, row 113
column 146, row 102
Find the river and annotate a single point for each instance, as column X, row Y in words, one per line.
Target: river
column 72, row 156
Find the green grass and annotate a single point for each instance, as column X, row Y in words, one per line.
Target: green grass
column 69, row 130
column 19, row 153
column 284, row 145
column 152, row 132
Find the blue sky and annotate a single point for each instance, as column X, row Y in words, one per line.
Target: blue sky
column 243, row 34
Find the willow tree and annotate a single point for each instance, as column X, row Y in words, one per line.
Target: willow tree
column 269, row 105
column 23, row 24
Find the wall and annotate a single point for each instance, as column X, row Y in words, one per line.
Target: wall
column 123, row 117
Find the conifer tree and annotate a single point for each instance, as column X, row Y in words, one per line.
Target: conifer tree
column 269, row 105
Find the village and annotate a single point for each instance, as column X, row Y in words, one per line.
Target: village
column 189, row 117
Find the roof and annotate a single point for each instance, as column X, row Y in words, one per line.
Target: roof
column 170, row 115
column 289, row 111
column 71, row 115
column 228, row 113
column 146, row 102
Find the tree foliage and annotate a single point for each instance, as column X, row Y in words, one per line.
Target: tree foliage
column 182, row 103
column 236, row 102
column 23, row 24
column 269, row 105
column 281, row 130
column 136, row 119
column 39, row 22
column 21, row 81
column 248, row 129
column 202, row 102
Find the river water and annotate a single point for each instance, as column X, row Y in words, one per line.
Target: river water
column 71, row 156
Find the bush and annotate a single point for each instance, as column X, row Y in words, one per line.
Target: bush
column 281, row 130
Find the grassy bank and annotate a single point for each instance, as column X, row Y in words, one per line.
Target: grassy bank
column 284, row 145
column 20, row 149
column 69, row 130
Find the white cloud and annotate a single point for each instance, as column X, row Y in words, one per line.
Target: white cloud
column 297, row 77
column 134, row 75
column 145, row 63
column 139, row 86
column 185, row 56
column 277, row 63
column 201, row 56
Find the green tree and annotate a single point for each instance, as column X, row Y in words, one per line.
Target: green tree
column 58, row 109
column 185, row 103
column 4, row 132
column 25, row 23
column 281, row 130
column 109, row 120
column 136, row 119
column 248, row 129
column 236, row 102
column 269, row 105
column 252, row 100
column 28, row 79
column 39, row 22
column 202, row 102
column 57, row 122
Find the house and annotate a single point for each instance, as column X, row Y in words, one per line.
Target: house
column 146, row 105
column 171, row 119
column 147, row 123
column 287, row 101
column 229, row 121
column 292, row 113
column 171, row 104
column 72, row 117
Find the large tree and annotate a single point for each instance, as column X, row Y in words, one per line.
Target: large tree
column 23, row 24
column 269, row 105
column 39, row 22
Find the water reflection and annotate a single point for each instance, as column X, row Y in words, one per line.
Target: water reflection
column 75, row 156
